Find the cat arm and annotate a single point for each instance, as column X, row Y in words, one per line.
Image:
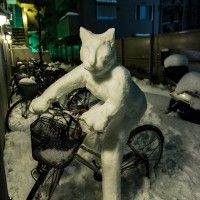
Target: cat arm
column 99, row 118
column 69, row 82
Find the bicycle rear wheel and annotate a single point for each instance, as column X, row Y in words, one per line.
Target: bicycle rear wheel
column 145, row 142
column 81, row 100
column 13, row 97
column 18, row 115
column 46, row 183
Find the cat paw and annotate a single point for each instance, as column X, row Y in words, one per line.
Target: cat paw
column 100, row 124
column 95, row 124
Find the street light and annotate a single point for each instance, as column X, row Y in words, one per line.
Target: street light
column 3, row 20
column 3, row 17
column 8, row 38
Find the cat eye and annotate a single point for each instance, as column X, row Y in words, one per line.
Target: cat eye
column 105, row 49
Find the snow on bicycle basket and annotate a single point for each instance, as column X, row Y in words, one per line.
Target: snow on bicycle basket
column 28, row 88
column 55, row 143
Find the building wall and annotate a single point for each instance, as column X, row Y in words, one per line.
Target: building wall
column 148, row 26
column 17, row 21
column 178, row 15
column 3, row 109
column 134, row 52
column 26, row 53
column 126, row 23
column 194, row 14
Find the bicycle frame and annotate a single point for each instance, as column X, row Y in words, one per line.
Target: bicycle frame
column 85, row 162
column 134, row 157
column 138, row 159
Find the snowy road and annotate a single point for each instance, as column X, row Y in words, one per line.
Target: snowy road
column 179, row 173
column 177, row 177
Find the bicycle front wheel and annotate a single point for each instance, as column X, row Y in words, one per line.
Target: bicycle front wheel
column 18, row 116
column 46, row 183
column 146, row 141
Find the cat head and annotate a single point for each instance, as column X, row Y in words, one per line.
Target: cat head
column 98, row 51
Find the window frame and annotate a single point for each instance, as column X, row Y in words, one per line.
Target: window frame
column 149, row 12
column 106, row 3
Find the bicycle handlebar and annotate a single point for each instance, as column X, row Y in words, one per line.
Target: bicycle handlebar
column 59, row 111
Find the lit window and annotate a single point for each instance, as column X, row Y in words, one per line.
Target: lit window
column 106, row 9
column 144, row 12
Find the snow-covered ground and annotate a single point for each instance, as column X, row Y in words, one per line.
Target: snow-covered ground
column 177, row 177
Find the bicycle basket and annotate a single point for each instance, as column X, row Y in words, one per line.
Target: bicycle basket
column 28, row 91
column 54, row 143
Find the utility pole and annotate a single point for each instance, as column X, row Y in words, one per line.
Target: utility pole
column 39, row 32
column 152, row 40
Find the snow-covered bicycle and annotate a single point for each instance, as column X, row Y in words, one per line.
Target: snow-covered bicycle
column 26, row 88
column 57, row 137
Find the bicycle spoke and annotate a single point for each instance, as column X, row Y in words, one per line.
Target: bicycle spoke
column 147, row 144
column 146, row 141
column 153, row 151
column 18, row 116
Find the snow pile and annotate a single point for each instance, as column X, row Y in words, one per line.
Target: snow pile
column 54, row 64
column 19, row 63
column 195, row 103
column 18, row 163
column 146, row 86
column 176, row 60
column 69, row 14
column 149, row 114
column 19, row 123
column 16, row 121
column 22, row 67
column 190, row 82
column 23, row 75
column 165, row 50
column 51, row 64
column 56, row 156
column 27, row 81
column 51, row 68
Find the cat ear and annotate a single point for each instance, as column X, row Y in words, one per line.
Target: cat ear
column 84, row 33
column 109, row 35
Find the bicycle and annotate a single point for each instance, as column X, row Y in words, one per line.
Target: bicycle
column 20, row 71
column 19, row 111
column 144, row 148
